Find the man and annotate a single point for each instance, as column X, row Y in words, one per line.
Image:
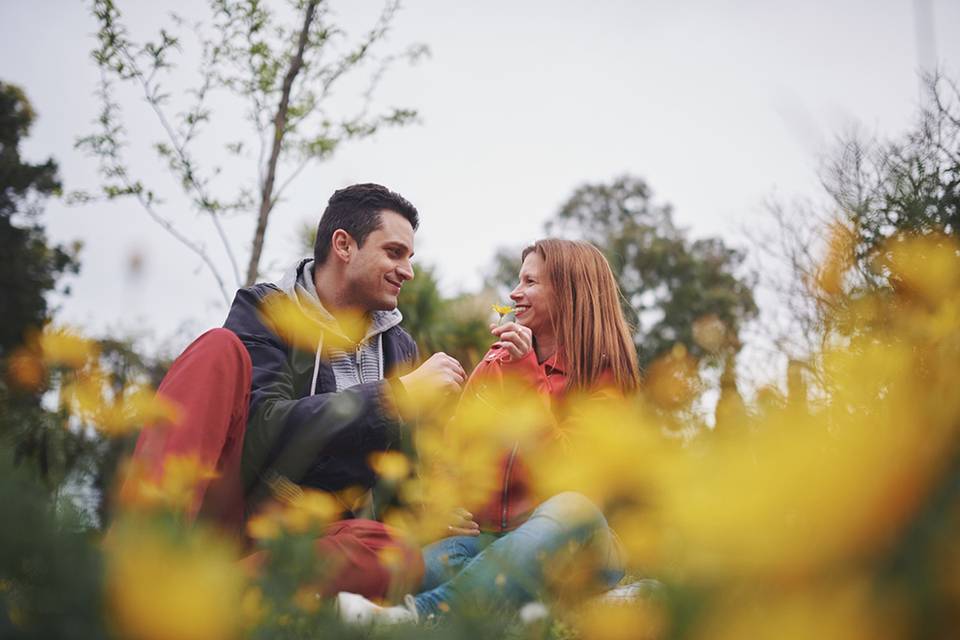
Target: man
column 274, row 417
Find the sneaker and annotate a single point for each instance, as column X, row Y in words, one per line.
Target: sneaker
column 355, row 609
column 631, row 592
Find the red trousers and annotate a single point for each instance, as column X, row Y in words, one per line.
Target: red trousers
column 210, row 383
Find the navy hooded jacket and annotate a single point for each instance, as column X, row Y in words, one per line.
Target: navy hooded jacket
column 305, row 431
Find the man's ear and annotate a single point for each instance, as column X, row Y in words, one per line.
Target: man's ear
column 342, row 245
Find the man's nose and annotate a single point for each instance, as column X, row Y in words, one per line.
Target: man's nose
column 405, row 271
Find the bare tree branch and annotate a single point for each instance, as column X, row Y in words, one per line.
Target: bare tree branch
column 279, row 126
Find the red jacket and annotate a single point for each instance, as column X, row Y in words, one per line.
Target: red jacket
column 513, row 501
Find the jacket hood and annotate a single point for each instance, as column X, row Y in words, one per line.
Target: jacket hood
column 297, row 284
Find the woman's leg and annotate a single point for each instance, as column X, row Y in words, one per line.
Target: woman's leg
column 510, row 572
column 445, row 558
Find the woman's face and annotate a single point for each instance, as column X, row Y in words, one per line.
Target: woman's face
column 533, row 296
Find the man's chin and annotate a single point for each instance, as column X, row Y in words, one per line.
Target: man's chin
column 387, row 304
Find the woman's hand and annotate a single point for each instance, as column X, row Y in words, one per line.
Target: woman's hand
column 463, row 524
column 515, row 338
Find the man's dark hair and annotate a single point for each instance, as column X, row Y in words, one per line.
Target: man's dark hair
column 356, row 209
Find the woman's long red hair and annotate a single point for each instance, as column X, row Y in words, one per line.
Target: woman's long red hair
column 591, row 333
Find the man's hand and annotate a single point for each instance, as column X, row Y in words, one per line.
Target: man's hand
column 463, row 524
column 439, row 375
column 515, row 338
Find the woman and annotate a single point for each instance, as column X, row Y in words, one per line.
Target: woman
column 569, row 336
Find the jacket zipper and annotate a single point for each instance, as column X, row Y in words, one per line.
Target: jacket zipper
column 506, row 487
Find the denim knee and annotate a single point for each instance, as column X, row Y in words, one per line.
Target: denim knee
column 573, row 509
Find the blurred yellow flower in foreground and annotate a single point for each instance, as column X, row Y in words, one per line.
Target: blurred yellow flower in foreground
column 924, row 268
column 304, row 328
column 839, row 259
column 173, row 489
column 291, row 322
column 639, row 620
column 180, row 586
column 392, row 466
column 800, row 492
column 673, row 380
column 306, row 510
column 310, row 511
column 63, row 346
column 92, row 398
column 25, row 369
column 844, row 611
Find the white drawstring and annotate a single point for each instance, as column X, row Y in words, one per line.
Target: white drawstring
column 316, row 367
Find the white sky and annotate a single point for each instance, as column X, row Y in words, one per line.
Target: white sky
column 718, row 104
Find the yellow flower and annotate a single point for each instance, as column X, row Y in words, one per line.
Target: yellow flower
column 673, row 380
column 310, row 510
column 300, row 328
column 264, row 526
column 841, row 611
column 175, row 488
column 66, row 347
column 640, row 620
column 839, row 259
column 292, row 324
column 25, row 369
column 502, row 309
column 163, row 587
column 91, row 398
column 392, row 466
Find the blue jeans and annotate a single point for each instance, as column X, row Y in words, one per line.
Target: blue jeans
column 507, row 570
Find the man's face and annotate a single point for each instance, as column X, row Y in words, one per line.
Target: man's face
column 379, row 268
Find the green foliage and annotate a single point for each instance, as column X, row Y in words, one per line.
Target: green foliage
column 30, row 267
column 50, row 572
column 907, row 184
column 281, row 66
column 457, row 326
column 668, row 280
column 876, row 189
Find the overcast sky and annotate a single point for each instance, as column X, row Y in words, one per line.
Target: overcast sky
column 719, row 105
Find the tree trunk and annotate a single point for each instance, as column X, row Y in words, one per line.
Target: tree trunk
column 279, row 125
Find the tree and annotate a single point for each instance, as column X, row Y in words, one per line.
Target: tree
column 281, row 66
column 44, row 442
column 821, row 257
column 30, row 267
column 669, row 282
column 907, row 184
column 29, row 271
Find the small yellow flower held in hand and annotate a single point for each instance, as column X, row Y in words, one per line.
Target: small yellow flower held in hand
column 502, row 311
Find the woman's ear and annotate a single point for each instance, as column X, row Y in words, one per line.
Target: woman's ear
column 342, row 244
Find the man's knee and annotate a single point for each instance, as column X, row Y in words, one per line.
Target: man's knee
column 222, row 343
column 216, row 356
